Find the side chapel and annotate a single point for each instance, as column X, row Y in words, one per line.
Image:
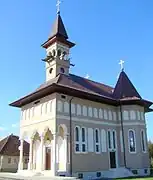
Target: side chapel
column 79, row 127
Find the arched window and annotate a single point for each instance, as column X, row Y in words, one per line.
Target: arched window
column 60, row 106
column 95, row 113
column 84, row 139
column 62, row 70
column 97, row 141
column 109, row 140
column 132, row 115
column 66, row 107
column 110, row 115
column 138, row 115
column 125, row 115
column 114, row 139
column 103, row 140
column 77, row 139
column 59, row 52
column 90, row 111
column 84, row 111
column 132, row 143
column 78, row 109
column 105, row 114
column 53, row 52
column 100, row 113
column 143, row 141
column 73, row 108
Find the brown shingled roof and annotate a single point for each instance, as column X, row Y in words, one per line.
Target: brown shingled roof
column 124, row 88
column 10, row 146
column 58, row 28
column 77, row 86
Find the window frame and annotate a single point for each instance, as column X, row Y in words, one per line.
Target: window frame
column 134, row 136
column 109, row 146
column 143, row 141
column 85, row 140
column 77, row 142
column 97, row 143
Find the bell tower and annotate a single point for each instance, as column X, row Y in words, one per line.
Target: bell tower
column 57, row 48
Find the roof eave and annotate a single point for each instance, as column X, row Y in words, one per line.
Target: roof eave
column 55, row 38
column 62, row 89
column 142, row 102
column 33, row 96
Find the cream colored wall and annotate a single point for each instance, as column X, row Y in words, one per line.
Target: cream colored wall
column 57, row 63
column 39, row 121
column 13, row 166
column 90, row 161
column 93, row 161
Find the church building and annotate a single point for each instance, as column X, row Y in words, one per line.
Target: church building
column 79, row 127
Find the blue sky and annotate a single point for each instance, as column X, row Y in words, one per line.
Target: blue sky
column 104, row 31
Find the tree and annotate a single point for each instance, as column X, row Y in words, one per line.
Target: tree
column 150, row 148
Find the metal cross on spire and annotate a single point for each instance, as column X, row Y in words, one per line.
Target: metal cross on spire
column 58, row 6
column 121, row 63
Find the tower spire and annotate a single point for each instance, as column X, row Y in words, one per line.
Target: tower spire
column 58, row 6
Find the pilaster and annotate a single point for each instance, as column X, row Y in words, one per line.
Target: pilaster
column 30, row 167
column 20, row 166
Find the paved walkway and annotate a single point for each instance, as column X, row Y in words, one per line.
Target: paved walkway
column 13, row 176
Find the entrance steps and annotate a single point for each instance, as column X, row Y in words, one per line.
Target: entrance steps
column 120, row 172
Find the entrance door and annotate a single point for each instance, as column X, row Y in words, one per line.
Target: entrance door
column 48, row 158
column 112, row 156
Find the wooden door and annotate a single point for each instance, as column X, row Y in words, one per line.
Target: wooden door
column 112, row 159
column 48, row 158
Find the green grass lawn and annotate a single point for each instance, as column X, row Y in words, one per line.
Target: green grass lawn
column 145, row 178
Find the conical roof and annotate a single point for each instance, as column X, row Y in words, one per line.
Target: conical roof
column 124, row 88
column 58, row 28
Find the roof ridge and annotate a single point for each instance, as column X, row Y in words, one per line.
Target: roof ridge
column 93, row 81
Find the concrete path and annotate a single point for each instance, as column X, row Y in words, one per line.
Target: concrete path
column 13, row 176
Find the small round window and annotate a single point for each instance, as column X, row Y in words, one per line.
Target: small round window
column 51, row 70
column 62, row 70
